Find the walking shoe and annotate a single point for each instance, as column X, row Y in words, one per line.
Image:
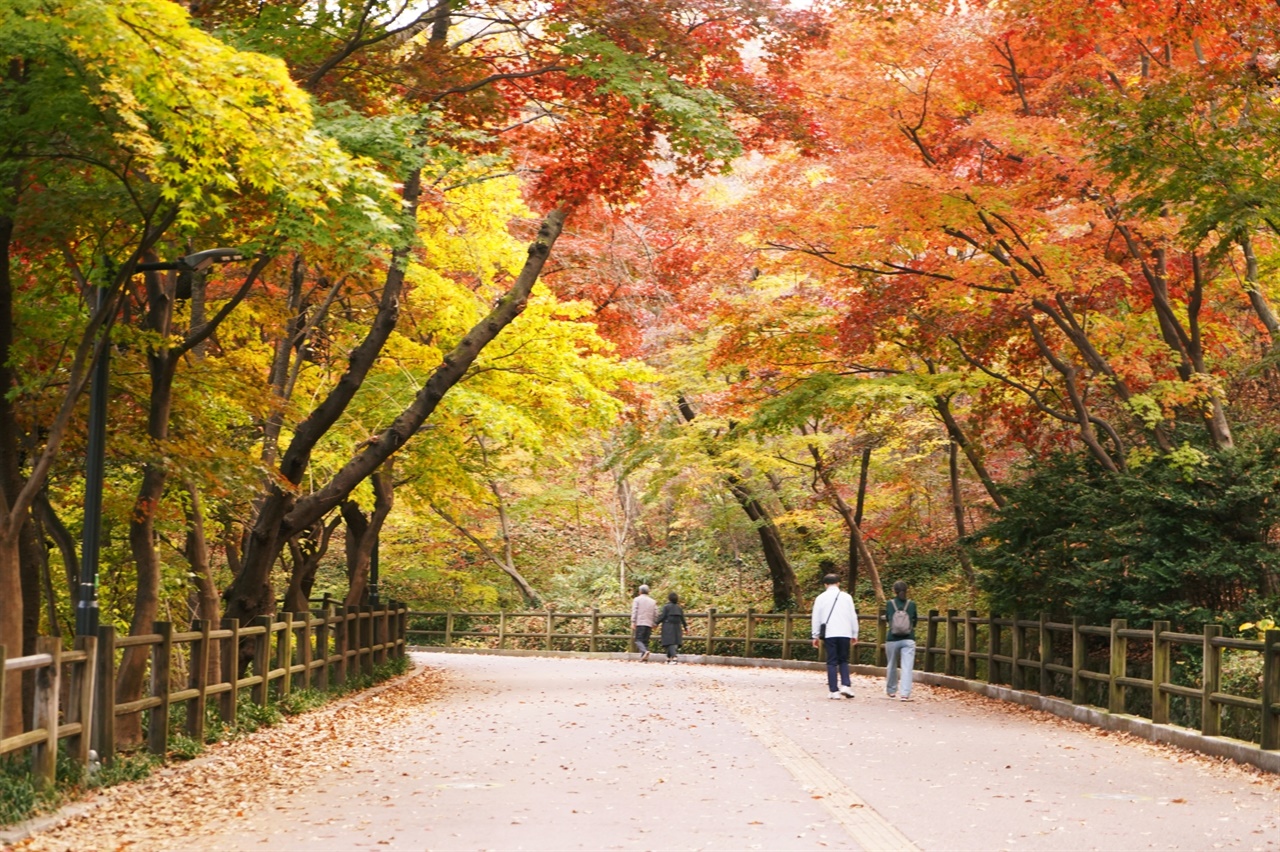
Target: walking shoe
column 906, row 698
column 846, row 691
column 834, row 695
column 644, row 656
column 891, row 695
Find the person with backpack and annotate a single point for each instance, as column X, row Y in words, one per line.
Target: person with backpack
column 900, row 644
column 835, row 625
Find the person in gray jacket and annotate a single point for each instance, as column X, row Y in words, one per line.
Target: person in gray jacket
column 644, row 612
column 835, row 624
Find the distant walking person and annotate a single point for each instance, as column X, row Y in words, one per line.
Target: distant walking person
column 835, row 624
column 900, row 644
column 673, row 626
column 644, row 610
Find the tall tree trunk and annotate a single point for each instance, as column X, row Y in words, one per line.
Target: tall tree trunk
column 62, row 538
column 162, row 365
column 958, row 437
column 864, row 469
column 957, row 508
column 208, row 603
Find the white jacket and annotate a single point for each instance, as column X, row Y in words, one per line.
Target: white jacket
column 835, row 608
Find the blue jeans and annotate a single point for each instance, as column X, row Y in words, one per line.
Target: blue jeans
column 643, row 632
column 837, row 648
column 893, row 648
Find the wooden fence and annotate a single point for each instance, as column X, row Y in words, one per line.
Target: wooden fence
column 1117, row 668
column 290, row 650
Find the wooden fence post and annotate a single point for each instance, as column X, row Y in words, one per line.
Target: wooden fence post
column 44, row 754
column 4, row 676
column 80, row 698
column 366, row 640
column 550, row 628
column 262, row 660
column 1119, row 666
column 1271, row 690
column 930, row 640
column 1161, row 658
column 307, row 647
column 230, row 655
column 1211, row 681
column 787, row 627
column 879, row 654
column 949, row 644
column 1046, row 655
column 1018, row 652
column 284, row 653
column 595, row 629
column 711, row 630
column 104, row 705
column 161, row 687
column 322, row 645
column 341, row 642
column 502, row 629
column 199, row 680
column 971, row 645
column 993, row 648
column 1078, row 661
column 448, row 628
column 749, row 637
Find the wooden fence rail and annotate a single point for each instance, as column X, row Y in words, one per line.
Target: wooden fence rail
column 1087, row 664
column 312, row 649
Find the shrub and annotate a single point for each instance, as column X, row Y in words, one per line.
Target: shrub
column 1159, row 541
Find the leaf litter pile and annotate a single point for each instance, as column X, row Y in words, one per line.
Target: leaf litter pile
column 234, row 777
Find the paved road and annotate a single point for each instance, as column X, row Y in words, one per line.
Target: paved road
column 529, row 753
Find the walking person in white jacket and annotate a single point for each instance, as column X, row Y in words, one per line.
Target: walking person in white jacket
column 835, row 624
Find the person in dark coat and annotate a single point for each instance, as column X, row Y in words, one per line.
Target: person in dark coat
column 673, row 626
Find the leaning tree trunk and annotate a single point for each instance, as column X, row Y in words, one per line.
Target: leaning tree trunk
column 786, row 590
column 281, row 515
column 360, row 552
column 857, row 542
column 307, row 552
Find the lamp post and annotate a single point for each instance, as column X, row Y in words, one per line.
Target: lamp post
column 95, row 454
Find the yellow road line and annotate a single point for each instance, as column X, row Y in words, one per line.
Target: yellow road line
column 872, row 831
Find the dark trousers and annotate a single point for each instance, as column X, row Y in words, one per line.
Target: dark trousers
column 837, row 660
column 642, row 637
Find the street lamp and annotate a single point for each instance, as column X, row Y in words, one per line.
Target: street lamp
column 95, row 453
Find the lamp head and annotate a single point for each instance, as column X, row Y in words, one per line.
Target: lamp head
column 202, row 260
